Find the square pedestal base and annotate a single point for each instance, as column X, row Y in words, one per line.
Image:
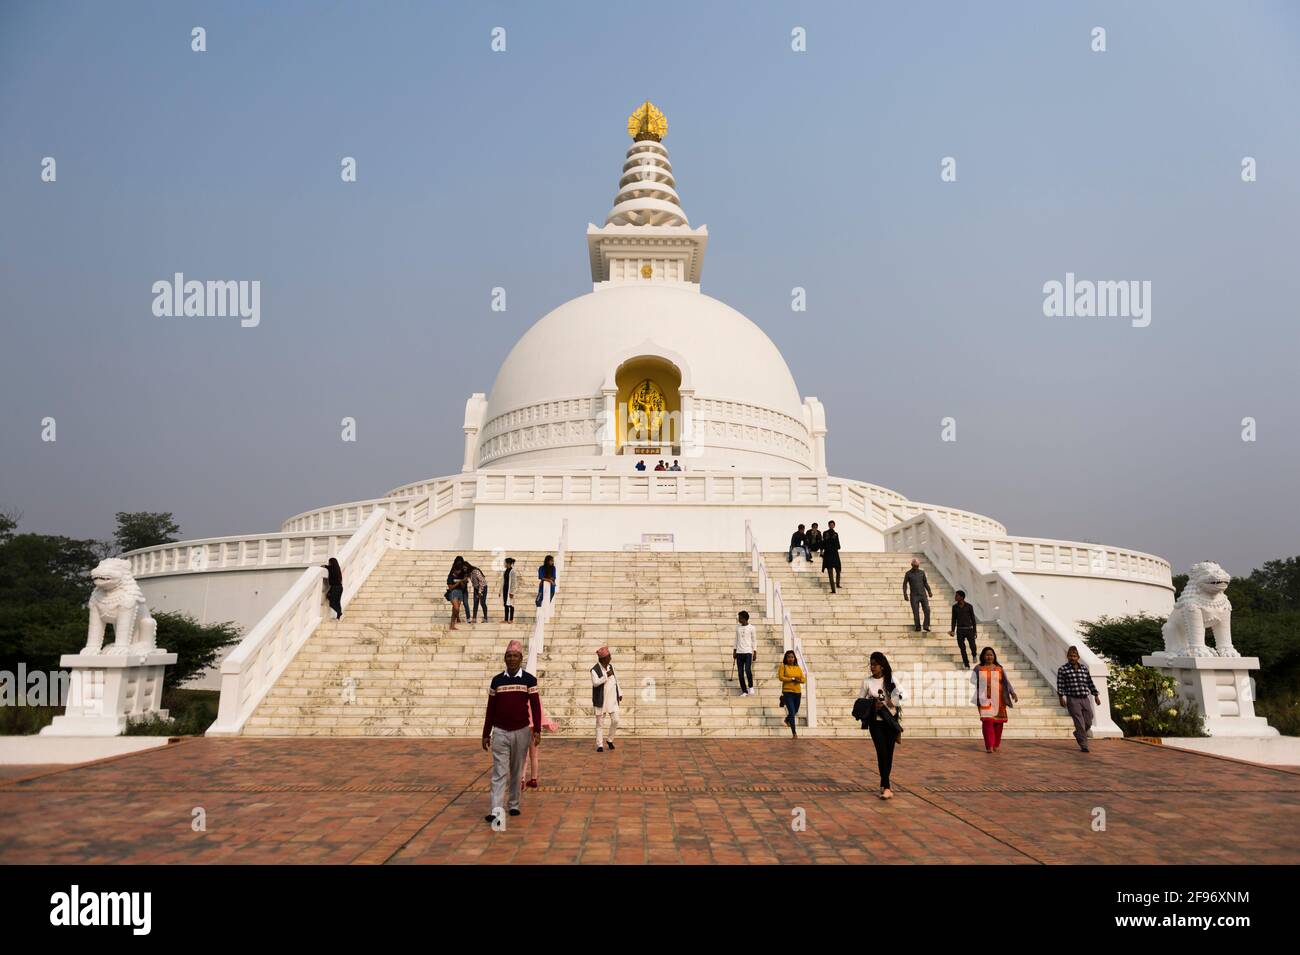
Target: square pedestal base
column 109, row 691
column 1222, row 690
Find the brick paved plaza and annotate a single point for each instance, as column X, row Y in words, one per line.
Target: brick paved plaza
column 653, row 800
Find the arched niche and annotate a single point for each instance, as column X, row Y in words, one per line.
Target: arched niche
column 660, row 378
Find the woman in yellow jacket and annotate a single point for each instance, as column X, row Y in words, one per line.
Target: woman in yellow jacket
column 792, row 680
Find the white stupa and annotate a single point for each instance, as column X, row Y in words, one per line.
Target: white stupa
column 645, row 367
column 564, row 395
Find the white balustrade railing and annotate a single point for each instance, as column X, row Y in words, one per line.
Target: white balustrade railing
column 998, row 595
column 252, row 668
column 340, row 516
column 417, row 504
column 537, row 640
column 254, row 552
column 777, row 610
column 1036, row 555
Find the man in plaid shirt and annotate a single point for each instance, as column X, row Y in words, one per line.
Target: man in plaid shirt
column 1073, row 684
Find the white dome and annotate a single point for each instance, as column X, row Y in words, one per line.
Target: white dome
column 572, row 350
column 575, row 350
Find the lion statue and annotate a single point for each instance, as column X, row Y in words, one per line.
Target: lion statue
column 118, row 600
column 1202, row 604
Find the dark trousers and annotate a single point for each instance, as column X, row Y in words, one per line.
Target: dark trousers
column 966, row 635
column 1080, row 710
column 918, row 601
column 832, row 568
column 791, row 703
column 884, row 739
column 335, row 599
column 480, row 600
column 509, row 612
column 744, row 670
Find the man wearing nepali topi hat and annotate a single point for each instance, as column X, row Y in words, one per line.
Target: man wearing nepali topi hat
column 605, row 697
column 506, row 731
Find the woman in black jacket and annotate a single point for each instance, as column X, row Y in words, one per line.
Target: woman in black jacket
column 883, row 699
column 334, row 588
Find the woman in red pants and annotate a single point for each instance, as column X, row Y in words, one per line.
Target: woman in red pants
column 993, row 695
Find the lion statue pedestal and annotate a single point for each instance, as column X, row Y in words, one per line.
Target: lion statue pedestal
column 1216, row 679
column 114, row 685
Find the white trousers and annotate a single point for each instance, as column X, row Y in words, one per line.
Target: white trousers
column 601, row 735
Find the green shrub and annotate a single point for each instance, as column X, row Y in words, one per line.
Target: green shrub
column 1124, row 640
column 1144, row 702
column 26, row 720
column 1282, row 713
column 190, row 713
column 196, row 645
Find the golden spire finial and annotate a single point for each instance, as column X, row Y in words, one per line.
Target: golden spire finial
column 648, row 122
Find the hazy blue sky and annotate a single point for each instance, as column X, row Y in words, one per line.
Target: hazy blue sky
column 820, row 169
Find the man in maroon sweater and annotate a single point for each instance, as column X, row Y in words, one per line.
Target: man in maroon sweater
column 512, row 698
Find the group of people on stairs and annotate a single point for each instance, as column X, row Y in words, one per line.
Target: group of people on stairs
column 464, row 579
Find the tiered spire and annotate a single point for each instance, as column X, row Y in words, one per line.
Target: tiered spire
column 647, row 193
column 646, row 237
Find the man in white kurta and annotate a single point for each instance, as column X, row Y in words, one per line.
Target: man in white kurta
column 605, row 697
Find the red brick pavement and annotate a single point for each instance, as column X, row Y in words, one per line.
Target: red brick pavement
column 653, row 801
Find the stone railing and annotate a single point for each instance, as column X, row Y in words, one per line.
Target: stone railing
column 416, row 504
column 423, row 501
column 255, row 552
column 252, row 668
column 537, row 641
column 883, row 508
column 340, row 516
column 1039, row 556
column 430, row 486
column 998, row 595
column 776, row 610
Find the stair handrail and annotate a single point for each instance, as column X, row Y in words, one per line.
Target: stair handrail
column 776, row 609
column 1034, row 629
column 537, row 639
column 253, row 667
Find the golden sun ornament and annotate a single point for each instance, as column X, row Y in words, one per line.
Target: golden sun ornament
column 648, row 122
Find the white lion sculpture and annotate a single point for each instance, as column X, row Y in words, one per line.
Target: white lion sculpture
column 118, row 600
column 1201, row 604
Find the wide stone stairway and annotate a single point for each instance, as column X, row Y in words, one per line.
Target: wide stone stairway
column 868, row 613
column 392, row 667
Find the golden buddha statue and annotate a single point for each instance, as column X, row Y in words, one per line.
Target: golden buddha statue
column 646, row 408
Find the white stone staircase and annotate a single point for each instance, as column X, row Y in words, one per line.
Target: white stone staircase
column 868, row 613
column 392, row 667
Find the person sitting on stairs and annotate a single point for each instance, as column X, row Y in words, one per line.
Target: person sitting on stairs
column 798, row 545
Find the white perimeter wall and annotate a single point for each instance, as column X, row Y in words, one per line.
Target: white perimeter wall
column 241, row 596
column 1075, row 598
column 708, row 527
